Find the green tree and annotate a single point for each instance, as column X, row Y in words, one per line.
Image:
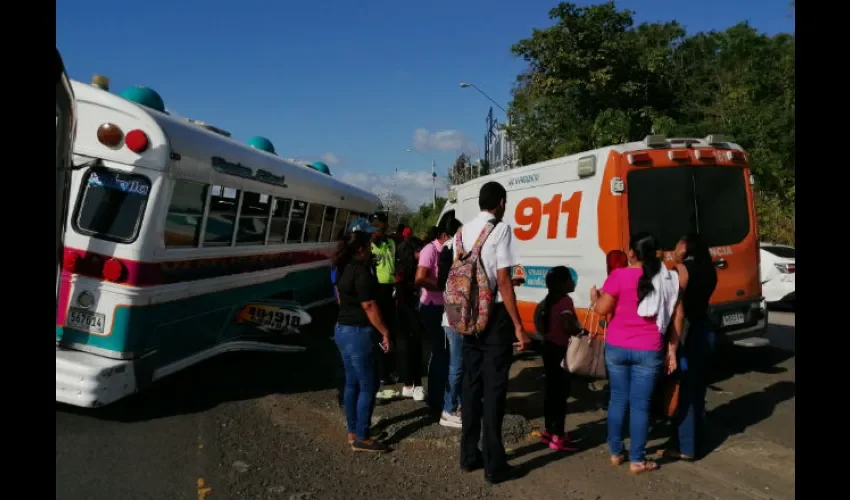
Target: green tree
column 427, row 216
column 593, row 79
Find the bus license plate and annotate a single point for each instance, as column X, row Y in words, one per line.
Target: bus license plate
column 85, row 320
column 733, row 319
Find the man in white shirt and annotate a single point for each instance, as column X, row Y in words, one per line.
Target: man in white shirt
column 487, row 357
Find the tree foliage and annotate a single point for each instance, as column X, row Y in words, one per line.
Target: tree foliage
column 428, row 215
column 595, row 79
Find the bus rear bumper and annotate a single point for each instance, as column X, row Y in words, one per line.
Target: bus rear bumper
column 89, row 381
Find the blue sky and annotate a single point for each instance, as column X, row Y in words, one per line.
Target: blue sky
column 344, row 80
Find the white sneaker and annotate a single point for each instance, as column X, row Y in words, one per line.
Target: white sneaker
column 417, row 392
column 451, row 420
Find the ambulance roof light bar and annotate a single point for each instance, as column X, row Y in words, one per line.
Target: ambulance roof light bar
column 655, row 141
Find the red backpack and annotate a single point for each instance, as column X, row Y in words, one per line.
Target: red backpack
column 468, row 297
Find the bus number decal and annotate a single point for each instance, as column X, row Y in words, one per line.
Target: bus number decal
column 530, row 212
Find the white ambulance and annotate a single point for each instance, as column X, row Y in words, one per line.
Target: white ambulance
column 579, row 210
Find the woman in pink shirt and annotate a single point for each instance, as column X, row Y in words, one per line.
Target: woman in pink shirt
column 431, row 313
column 634, row 353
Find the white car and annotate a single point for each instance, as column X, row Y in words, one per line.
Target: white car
column 778, row 273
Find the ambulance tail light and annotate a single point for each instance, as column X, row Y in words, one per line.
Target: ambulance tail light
column 616, row 259
column 639, row 158
column 735, row 156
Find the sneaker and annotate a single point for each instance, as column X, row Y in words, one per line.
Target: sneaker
column 545, row 437
column 370, row 445
column 558, row 444
column 419, row 393
column 451, row 420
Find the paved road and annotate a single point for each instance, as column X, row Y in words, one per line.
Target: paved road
column 265, row 426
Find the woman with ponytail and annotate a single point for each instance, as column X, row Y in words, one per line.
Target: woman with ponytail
column 634, row 350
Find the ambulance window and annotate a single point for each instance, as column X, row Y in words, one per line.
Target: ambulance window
column 328, row 224
column 721, row 195
column 314, row 222
column 111, row 205
column 280, row 220
column 661, row 202
column 222, row 216
column 253, row 219
column 185, row 211
column 296, row 223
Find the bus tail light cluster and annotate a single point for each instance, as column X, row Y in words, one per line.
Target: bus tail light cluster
column 111, row 136
column 93, row 265
column 616, row 259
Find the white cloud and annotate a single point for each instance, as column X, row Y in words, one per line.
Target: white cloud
column 414, row 186
column 443, row 140
column 329, row 158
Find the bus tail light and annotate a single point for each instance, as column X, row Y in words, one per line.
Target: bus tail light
column 110, row 135
column 616, row 259
column 71, row 262
column 136, row 141
column 114, row 270
column 639, row 158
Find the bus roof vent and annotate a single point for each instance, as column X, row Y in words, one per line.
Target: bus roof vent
column 716, row 139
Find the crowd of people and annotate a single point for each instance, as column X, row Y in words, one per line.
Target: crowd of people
column 398, row 293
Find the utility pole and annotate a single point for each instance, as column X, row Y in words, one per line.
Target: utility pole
column 434, row 180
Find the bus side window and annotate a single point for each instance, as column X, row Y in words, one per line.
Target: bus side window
column 222, row 216
column 185, row 213
column 341, row 223
column 280, row 220
column 315, row 212
column 328, row 225
column 296, row 222
column 253, row 219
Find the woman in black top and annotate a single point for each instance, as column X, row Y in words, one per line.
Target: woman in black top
column 698, row 279
column 355, row 335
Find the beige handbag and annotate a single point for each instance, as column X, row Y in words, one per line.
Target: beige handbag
column 586, row 352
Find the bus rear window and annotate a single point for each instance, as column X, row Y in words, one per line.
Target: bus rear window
column 112, row 204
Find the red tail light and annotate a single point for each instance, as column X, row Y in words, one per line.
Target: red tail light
column 616, row 259
column 114, row 270
column 786, row 268
column 136, row 141
column 71, row 262
column 639, row 158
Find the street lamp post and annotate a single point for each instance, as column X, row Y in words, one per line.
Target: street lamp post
column 433, row 174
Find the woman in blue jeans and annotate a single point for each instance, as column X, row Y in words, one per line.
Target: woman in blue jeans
column 634, row 351
column 451, row 417
column 698, row 278
column 357, row 288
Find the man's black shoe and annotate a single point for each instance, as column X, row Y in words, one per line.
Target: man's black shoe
column 474, row 466
column 507, row 473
